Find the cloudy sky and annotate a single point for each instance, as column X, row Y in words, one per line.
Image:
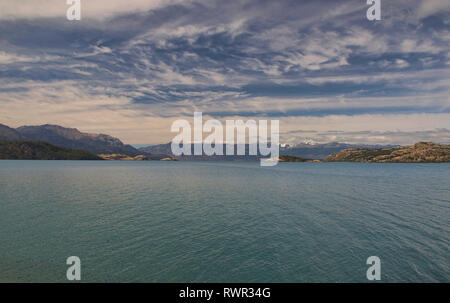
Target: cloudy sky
column 130, row 68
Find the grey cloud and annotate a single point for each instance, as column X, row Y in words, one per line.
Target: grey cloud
column 224, row 56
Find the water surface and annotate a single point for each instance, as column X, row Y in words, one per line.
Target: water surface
column 223, row 221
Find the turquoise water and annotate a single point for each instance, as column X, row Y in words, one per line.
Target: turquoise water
column 223, row 222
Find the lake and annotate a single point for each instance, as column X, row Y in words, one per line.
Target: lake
column 157, row 221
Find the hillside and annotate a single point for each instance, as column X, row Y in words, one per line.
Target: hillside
column 73, row 138
column 419, row 152
column 27, row 150
column 8, row 133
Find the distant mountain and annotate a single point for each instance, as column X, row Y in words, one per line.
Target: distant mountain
column 306, row 151
column 166, row 149
column 73, row 138
column 161, row 149
column 321, row 151
column 419, row 152
column 27, row 150
column 8, row 133
column 107, row 145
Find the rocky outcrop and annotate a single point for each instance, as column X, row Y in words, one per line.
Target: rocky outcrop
column 417, row 153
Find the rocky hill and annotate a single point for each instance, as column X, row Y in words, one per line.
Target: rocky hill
column 419, row 152
column 27, row 150
column 8, row 133
column 73, row 138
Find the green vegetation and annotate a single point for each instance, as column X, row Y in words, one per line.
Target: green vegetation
column 27, row 150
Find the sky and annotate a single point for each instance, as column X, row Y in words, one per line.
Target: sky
column 131, row 68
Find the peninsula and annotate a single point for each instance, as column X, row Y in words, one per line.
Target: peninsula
column 421, row 152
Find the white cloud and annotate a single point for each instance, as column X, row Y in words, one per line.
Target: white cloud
column 370, row 129
column 95, row 109
column 310, row 47
column 431, row 7
column 95, row 51
column 401, row 63
column 414, row 46
column 8, row 58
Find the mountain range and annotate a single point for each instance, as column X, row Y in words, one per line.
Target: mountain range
column 105, row 144
column 108, row 147
column 306, row 151
column 68, row 138
column 8, row 133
